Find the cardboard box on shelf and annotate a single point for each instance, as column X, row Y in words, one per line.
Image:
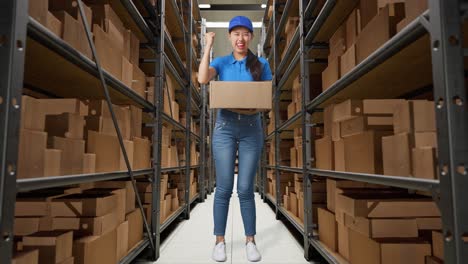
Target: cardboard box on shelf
column 339, row 155
column 168, row 200
column 38, row 10
column 300, row 163
column 379, row 30
column 87, row 225
column 72, row 9
column 380, row 106
column 96, row 249
column 293, row 154
column 369, row 147
column 175, row 110
column 437, row 244
column 364, row 250
column 397, row 155
column 241, row 95
column 32, row 116
column 127, row 73
column 336, row 131
column 60, row 106
column 424, row 163
column 382, row 228
column 110, row 54
column 348, row 60
column 300, row 208
column 26, row 257
column 334, row 187
column 129, row 192
column 30, row 225
column 360, row 124
column 135, row 227
column 331, row 74
column 70, row 260
column 328, row 230
column 139, row 81
column 89, row 163
column 293, row 203
column 368, row 9
column 72, row 154
column 109, row 157
column 134, row 46
column 328, row 120
column 136, row 121
column 54, row 24
column 423, row 116
column 343, row 240
column 429, row 223
column 414, row 8
column 378, row 205
column 291, row 109
column 73, row 32
column 175, row 204
column 67, row 125
column 52, row 162
column 122, row 240
column 433, row 260
column 346, row 110
column 324, row 153
column 54, row 246
column 337, row 43
column 142, row 153
column 31, row 160
column 353, row 28
column 425, row 139
column 83, row 205
column 33, row 207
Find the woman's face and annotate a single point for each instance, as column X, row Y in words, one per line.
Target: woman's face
column 240, row 39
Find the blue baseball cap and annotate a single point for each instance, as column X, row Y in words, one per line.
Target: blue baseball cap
column 240, row 21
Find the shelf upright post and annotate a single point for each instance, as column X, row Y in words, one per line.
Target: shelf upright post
column 157, row 128
column 12, row 56
column 307, row 139
column 450, row 97
column 276, row 103
column 188, row 93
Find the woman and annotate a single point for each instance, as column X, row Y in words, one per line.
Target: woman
column 236, row 130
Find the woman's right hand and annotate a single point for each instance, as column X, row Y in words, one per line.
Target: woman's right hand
column 209, row 39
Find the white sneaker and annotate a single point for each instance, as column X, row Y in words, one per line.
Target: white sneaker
column 252, row 252
column 219, row 252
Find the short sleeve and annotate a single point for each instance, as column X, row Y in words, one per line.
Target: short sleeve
column 216, row 64
column 266, row 74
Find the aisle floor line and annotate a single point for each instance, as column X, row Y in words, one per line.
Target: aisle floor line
column 192, row 241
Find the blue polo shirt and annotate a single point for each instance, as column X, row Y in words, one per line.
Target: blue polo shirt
column 230, row 69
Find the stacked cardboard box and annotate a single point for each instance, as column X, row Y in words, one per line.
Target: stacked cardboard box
column 413, row 9
column 296, row 151
column 51, row 138
column 293, row 197
column 370, row 25
column 145, row 192
column 289, row 30
column 296, row 104
column 393, row 137
column 72, row 225
column 284, row 152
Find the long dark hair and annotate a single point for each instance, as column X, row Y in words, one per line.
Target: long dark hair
column 254, row 66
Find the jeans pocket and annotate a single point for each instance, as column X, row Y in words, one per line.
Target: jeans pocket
column 220, row 125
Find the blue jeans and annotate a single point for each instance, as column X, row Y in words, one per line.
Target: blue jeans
column 244, row 133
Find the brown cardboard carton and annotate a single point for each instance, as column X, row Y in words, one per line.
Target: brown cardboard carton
column 300, row 208
column 38, row 10
column 368, row 9
column 134, row 47
column 363, row 152
column 66, row 125
column 135, row 227
column 54, row 246
column 300, row 163
column 72, row 154
column 31, row 160
column 385, row 251
column 83, row 205
column 106, row 126
column 328, row 230
column 346, row 110
column 429, row 223
column 293, row 157
column 54, row 24
column 380, row 106
column 339, row 155
column 353, row 28
column 139, row 81
column 127, row 72
column 175, row 204
column 362, row 123
column 72, row 9
column 335, row 186
column 73, row 32
column 338, row 43
column 110, row 54
column 30, row 225
column 324, row 153
column 32, row 116
column 96, row 249
column 87, row 225
column 382, row 228
column 375, row 205
column 175, row 111
column 293, row 203
column 291, row 109
column 424, row 163
column 437, row 244
column 60, row 106
column 397, row 155
column 89, row 163
column 348, row 60
column 127, row 185
column 168, row 199
column 423, row 116
column 122, row 240
column 402, row 118
column 141, row 155
column 70, row 260
column 241, row 95
column 425, row 139
column 108, row 153
column 328, row 119
column 136, row 121
column 52, row 161
column 331, row 74
column 343, row 240
column 379, row 30
column 336, row 131
column 414, row 8
column 26, row 257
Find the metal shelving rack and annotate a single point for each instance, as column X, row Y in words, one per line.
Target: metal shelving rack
column 16, row 27
column 437, row 35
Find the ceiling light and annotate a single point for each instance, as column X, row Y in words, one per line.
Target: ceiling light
column 204, row 6
column 263, row 5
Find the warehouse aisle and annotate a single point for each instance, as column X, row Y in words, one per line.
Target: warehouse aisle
column 192, row 241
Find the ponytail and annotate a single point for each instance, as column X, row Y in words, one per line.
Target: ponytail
column 254, row 66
